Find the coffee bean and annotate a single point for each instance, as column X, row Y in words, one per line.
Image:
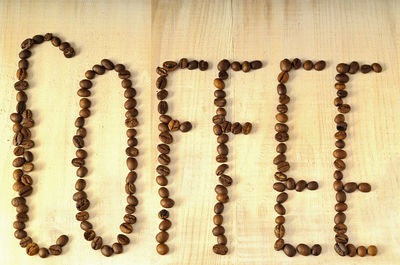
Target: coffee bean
column 236, row 128
column 22, row 208
column 27, row 44
column 25, row 241
column 82, row 204
column 341, row 93
column 283, row 166
column 20, row 234
column 78, row 141
column 364, row 187
column 162, row 94
column 106, row 250
column 376, row 67
column 246, row 67
column 166, row 137
column 25, row 191
column 21, row 85
column 353, row 68
column 316, row 250
column 312, row 185
column 303, row 249
column 69, row 52
column 350, row 187
column 365, row 68
column 107, row 64
column 162, row 249
column 283, row 77
column 341, row 196
column 340, row 86
column 289, row 250
column 351, row 250
column 129, row 218
column 99, row 69
column 342, row 68
column 341, row 249
column 372, row 250
column 285, row 65
column 32, row 249
column 219, row 84
column 163, row 148
column 281, row 89
column 301, row 185
column 22, row 217
column 193, row 65
column 223, row 65
column 161, row 82
column 290, row 184
column 218, row 230
column 185, row 126
column 220, row 249
column 162, row 107
column 339, row 164
column 236, row 66
column 183, row 63
column 38, row 39
column 222, row 149
column 167, row 203
column 296, row 63
column 320, row 65
column 281, row 117
column 164, row 225
column 361, row 251
column 280, row 209
column 246, row 129
column 203, row 65
column 341, row 238
column 126, row 228
column 340, row 228
column 122, row 239
column 279, row 187
column 22, row 74
column 117, row 248
column 308, row 65
column 340, row 218
column 279, row 231
column 280, row 176
column 340, row 207
column 338, row 185
column 25, row 54
column 225, row 180
column 342, row 78
column 96, row 243
column 281, row 148
column 19, row 225
column 170, row 65
column 255, row 64
column 44, row 252
column 279, row 244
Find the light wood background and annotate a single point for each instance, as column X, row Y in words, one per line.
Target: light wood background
column 142, row 34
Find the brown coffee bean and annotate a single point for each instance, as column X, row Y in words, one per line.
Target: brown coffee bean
column 340, row 228
column 220, row 249
column 365, row 68
column 162, row 237
column 255, row 64
column 25, row 191
column 185, row 126
column 126, row 228
column 246, row 67
column 223, row 65
column 316, row 250
column 342, row 78
column 22, row 74
column 166, row 137
column 218, row 230
column 361, row 251
column 84, row 92
column 341, row 196
column 279, row 244
column 203, row 65
column 164, row 225
column 183, row 63
column 283, row 166
column 20, row 234
column 296, row 63
column 341, row 249
column 283, row 77
column 32, row 249
column 222, row 149
column 170, row 65
column 308, row 65
column 339, row 164
column 223, row 198
column 107, row 64
column 236, row 66
column 280, row 209
column 167, row 203
column 279, row 187
column 97, row 243
column 364, row 187
column 320, row 65
column 342, row 68
column 44, row 252
column 312, row 185
column 350, row 187
column 82, row 204
column 301, row 185
column 117, row 248
column 27, row 44
column 225, row 180
column 25, row 54
column 280, row 176
column 351, row 250
column 162, row 107
column 372, row 250
column 290, row 184
column 281, row 117
column 220, row 102
column 22, row 217
column 285, row 65
column 279, row 231
column 226, row 127
column 193, row 65
column 376, row 67
column 161, row 82
column 340, row 218
column 281, row 128
column 279, row 158
column 303, row 249
column 107, row 251
column 281, row 148
column 340, row 207
column 338, row 185
column 353, row 68
column 289, row 250
column 236, row 128
column 341, row 238
column 99, row 69
column 219, row 83
column 246, row 129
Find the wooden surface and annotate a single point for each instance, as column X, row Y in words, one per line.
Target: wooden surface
column 142, row 34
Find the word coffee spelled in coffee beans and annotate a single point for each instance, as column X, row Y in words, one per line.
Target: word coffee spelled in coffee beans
column 342, row 245
column 221, row 129
column 22, row 123
column 80, row 197
column 283, row 166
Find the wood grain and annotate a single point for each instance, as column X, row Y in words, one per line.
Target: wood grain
column 142, row 34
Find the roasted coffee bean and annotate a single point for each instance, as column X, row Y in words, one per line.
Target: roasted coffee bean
column 223, row 75
column 166, row 137
column 316, row 250
column 280, row 176
column 220, row 102
column 219, row 83
column 220, row 249
column 167, row 203
column 69, row 52
column 283, row 77
column 163, row 170
column 361, row 251
column 279, row 187
column 246, row 128
column 236, row 128
column 25, row 241
column 337, row 102
column 284, row 99
column 340, row 228
column 365, row 68
column 290, row 184
column 161, row 82
column 342, row 68
column 27, row 44
column 279, row 220
column 84, row 92
column 44, row 252
column 25, row 54
column 89, row 234
column 340, row 86
column 124, row 74
column 341, row 196
column 255, row 64
column 22, row 217
column 22, row 208
column 224, row 198
column 107, row 64
column 185, row 126
column 223, row 65
column 280, row 209
column 122, row 239
column 236, row 66
column 18, row 201
column 353, row 68
column 377, row 68
column 340, row 135
column 119, row 67
column 351, row 250
column 106, row 250
column 32, row 249
column 99, row 69
column 279, row 158
column 339, row 164
column 285, row 65
column 289, row 250
column 341, row 249
column 301, row 185
column 303, row 249
column 218, row 230
column 96, row 243
column 246, row 67
column 281, row 117
column 162, row 181
column 19, row 225
column 82, row 204
column 20, row 234
column 129, row 218
column 279, row 244
column 25, row 191
column 38, row 39
column 225, row 180
column 162, row 94
column 372, row 250
column 308, row 65
column 320, row 65
column 226, row 127
column 222, row 149
column 221, row 169
column 281, row 128
column 193, row 65
column 170, row 65
column 117, row 248
column 183, row 63
column 340, row 218
column 341, row 238
column 162, row 107
column 338, row 153
column 342, row 78
column 163, row 148
column 281, row 89
column 340, row 207
column 350, row 187
column 22, row 74
column 364, row 187
column 281, row 148
column 126, row 228
column 78, row 141
column 296, row 63
column 219, row 93
column 341, row 93
column 338, row 185
column 203, row 65
column 283, row 166
column 55, row 250
column 21, row 85
column 312, row 185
